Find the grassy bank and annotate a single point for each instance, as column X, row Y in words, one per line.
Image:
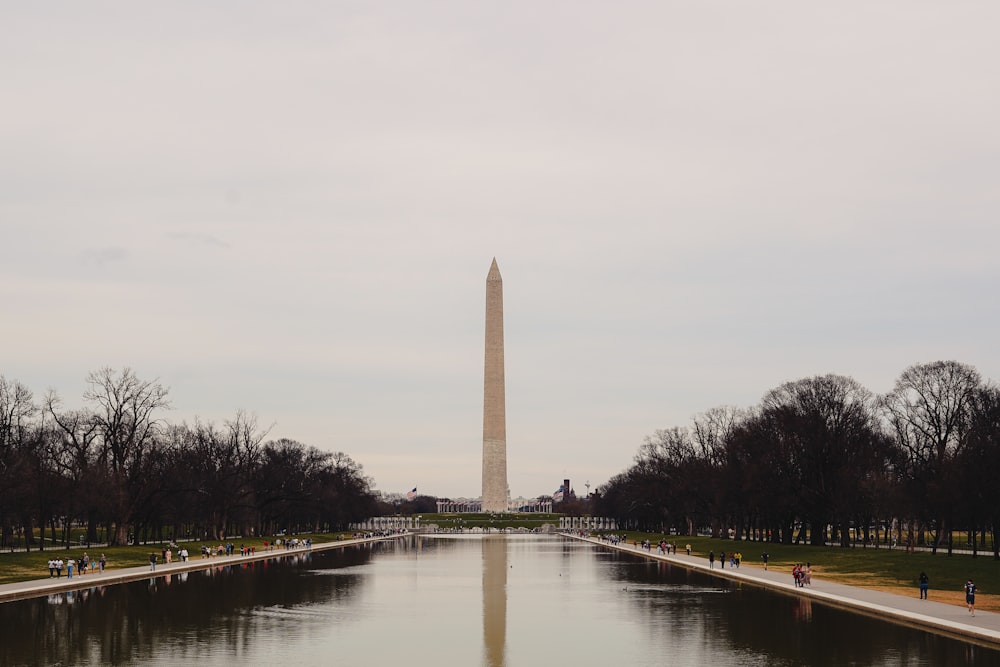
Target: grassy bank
column 892, row 570
column 21, row 566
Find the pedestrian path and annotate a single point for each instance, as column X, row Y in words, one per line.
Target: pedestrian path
column 39, row 587
column 940, row 617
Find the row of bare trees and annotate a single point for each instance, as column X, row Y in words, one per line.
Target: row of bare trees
column 824, row 459
column 119, row 469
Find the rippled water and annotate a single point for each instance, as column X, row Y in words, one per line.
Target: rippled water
column 457, row 600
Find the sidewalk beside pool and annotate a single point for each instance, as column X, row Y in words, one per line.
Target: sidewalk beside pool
column 46, row 586
column 948, row 619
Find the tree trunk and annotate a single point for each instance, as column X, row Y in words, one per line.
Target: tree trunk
column 845, row 534
column 817, row 533
column 121, row 534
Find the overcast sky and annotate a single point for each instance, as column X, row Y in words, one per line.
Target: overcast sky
column 291, row 208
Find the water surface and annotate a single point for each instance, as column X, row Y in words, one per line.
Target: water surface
column 514, row 600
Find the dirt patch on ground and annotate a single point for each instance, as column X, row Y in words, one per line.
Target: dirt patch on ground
column 957, row 598
column 873, row 582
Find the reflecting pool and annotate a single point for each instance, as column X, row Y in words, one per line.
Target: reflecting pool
column 495, row 600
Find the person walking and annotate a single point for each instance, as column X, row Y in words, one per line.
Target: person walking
column 711, row 560
column 970, row 596
column 152, row 560
column 764, row 556
column 924, row 585
column 103, row 562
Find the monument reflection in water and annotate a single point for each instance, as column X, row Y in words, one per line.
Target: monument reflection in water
column 447, row 600
column 495, row 600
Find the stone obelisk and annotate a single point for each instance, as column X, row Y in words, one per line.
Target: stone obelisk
column 494, row 400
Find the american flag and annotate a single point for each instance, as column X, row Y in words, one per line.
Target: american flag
column 412, row 494
column 558, row 495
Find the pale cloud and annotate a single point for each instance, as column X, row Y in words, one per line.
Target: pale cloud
column 292, row 211
column 200, row 240
column 102, row 256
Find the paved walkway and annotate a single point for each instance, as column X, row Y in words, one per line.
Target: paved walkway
column 47, row 586
column 940, row 617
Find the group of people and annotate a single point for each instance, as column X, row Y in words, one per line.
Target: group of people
column 168, row 556
column 735, row 559
column 665, row 547
column 802, row 575
column 609, row 538
column 228, row 550
column 57, row 565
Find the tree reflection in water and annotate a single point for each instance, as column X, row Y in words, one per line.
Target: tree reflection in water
column 180, row 614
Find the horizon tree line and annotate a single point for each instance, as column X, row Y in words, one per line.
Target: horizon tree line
column 117, row 468
column 822, row 459
column 818, row 459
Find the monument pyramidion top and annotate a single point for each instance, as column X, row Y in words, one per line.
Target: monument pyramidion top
column 494, row 273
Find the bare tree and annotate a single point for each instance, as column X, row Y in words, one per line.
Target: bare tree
column 667, row 447
column 17, row 409
column 711, row 431
column 712, row 486
column 928, row 411
column 72, row 441
column 124, row 409
column 228, row 459
column 978, row 463
column 830, row 430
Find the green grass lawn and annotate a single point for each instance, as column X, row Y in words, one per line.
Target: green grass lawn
column 21, row 566
column 869, row 567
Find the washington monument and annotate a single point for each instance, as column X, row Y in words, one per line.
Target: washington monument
column 494, row 400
